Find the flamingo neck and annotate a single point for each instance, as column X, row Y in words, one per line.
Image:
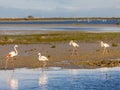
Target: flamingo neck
column 102, row 44
column 71, row 43
column 39, row 55
column 15, row 50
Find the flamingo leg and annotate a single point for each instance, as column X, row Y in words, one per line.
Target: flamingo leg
column 107, row 50
column 6, row 62
column 76, row 52
column 73, row 51
column 12, row 63
column 43, row 69
column 44, row 64
column 104, row 51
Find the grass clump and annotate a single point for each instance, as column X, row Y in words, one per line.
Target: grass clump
column 114, row 44
column 53, row 46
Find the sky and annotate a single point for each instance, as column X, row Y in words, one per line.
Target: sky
column 60, row 8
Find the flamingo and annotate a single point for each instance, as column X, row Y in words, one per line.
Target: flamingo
column 75, row 46
column 105, row 46
column 42, row 58
column 11, row 55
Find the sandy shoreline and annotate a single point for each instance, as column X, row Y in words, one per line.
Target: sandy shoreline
column 90, row 55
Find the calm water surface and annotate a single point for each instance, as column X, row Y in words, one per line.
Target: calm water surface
column 60, row 79
column 113, row 29
column 37, row 25
column 18, row 30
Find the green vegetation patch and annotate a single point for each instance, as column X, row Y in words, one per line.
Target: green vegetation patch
column 60, row 36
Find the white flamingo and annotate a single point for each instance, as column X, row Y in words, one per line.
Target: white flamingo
column 11, row 55
column 75, row 46
column 105, row 46
column 42, row 58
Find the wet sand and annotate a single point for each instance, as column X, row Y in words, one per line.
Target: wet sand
column 59, row 54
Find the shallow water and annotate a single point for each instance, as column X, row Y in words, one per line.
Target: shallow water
column 112, row 21
column 18, row 30
column 59, row 28
column 60, row 79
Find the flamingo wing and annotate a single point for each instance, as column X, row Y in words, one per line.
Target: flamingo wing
column 44, row 58
column 75, row 45
column 11, row 54
column 106, row 45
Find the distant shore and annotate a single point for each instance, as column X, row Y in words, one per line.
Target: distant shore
column 50, row 25
column 58, row 18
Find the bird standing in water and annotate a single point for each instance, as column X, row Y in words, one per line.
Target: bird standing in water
column 11, row 55
column 75, row 47
column 42, row 58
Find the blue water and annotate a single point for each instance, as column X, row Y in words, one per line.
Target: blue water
column 61, row 79
column 114, row 21
column 45, row 25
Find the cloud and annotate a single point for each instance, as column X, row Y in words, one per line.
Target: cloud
column 54, row 8
column 52, row 4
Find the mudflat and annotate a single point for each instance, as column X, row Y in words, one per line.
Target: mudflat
column 55, row 46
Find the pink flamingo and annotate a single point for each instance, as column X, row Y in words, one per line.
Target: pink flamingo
column 11, row 55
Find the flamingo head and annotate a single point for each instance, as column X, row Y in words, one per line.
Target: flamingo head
column 102, row 44
column 39, row 53
column 101, row 41
column 70, row 42
column 16, row 45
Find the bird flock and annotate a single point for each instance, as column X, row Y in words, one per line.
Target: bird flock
column 11, row 55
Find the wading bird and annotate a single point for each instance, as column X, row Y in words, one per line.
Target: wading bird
column 75, row 47
column 11, row 55
column 43, row 58
column 105, row 46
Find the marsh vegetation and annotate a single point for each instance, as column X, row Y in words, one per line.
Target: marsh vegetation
column 60, row 36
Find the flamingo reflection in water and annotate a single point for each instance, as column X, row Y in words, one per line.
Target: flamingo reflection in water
column 74, row 71
column 13, row 83
column 104, row 71
column 43, row 80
